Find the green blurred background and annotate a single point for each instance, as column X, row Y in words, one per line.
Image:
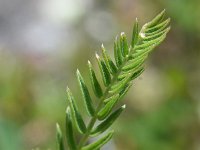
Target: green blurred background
column 43, row 42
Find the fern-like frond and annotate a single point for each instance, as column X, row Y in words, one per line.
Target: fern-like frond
column 117, row 77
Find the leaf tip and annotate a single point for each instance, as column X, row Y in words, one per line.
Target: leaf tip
column 89, row 63
column 67, row 89
column 124, row 106
column 57, row 125
column 102, row 46
column 142, row 35
column 78, row 72
column 116, row 38
column 58, row 130
column 68, row 110
column 122, row 34
column 164, row 10
column 97, row 56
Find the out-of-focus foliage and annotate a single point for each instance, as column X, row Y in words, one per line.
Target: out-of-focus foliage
column 43, row 42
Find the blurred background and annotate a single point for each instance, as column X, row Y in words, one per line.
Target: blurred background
column 43, row 42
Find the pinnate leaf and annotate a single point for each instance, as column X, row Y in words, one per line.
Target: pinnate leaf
column 118, row 76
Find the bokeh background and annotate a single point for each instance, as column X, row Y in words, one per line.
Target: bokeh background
column 43, row 42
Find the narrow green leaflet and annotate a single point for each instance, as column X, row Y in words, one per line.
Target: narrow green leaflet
column 137, row 73
column 124, row 44
column 146, row 45
column 157, row 28
column 156, row 20
column 117, row 53
column 143, row 52
column 110, row 98
column 86, row 96
column 109, row 63
column 100, row 142
column 148, row 49
column 120, row 85
column 80, row 125
column 130, row 73
column 103, row 126
column 157, row 35
column 125, row 90
column 95, row 84
column 59, row 138
column 104, row 71
column 135, row 34
column 134, row 63
column 69, row 131
column 104, row 112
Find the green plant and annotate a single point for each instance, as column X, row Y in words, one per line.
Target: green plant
column 117, row 78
